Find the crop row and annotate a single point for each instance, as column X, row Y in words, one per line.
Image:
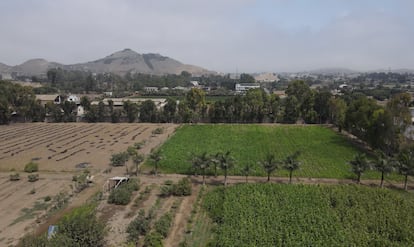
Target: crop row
column 304, row 215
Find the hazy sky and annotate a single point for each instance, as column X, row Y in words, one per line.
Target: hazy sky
column 221, row 35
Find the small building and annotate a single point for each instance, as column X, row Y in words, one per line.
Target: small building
column 243, row 87
column 114, row 182
column 151, row 89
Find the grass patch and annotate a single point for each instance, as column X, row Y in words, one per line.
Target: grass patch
column 30, row 213
column 324, row 153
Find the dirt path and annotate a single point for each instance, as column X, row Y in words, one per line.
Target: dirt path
column 181, row 217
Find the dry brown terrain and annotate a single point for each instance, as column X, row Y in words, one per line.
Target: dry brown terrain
column 59, row 149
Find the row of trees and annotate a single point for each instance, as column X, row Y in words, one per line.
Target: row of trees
column 403, row 163
column 19, row 101
column 204, row 162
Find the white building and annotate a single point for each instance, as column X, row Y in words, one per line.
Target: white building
column 243, row 87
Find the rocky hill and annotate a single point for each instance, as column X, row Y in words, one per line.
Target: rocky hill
column 120, row 62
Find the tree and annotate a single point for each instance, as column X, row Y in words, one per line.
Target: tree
column 246, row 78
column 359, row 165
column 405, row 164
column 148, row 112
column 226, row 163
column 137, row 159
column 69, row 111
column 246, row 170
column 201, row 162
column 156, row 158
column 85, row 103
column 291, row 164
column 269, row 164
column 119, row 159
column 196, row 103
column 383, row 164
column 131, row 110
column 337, row 112
column 169, row 110
column 291, row 113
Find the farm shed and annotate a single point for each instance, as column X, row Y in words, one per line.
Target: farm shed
column 114, row 182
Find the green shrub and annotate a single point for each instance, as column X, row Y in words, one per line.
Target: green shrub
column 31, row 167
column 33, row 177
column 163, row 225
column 168, row 182
column 47, row 198
column 166, row 190
column 158, row 131
column 122, row 194
column 182, row 188
column 82, row 228
column 153, row 239
column 14, row 177
column 138, row 227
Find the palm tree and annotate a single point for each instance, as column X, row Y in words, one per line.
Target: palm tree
column 247, row 169
column 291, row 164
column 405, row 165
column 226, row 163
column 384, row 164
column 201, row 162
column 270, row 164
column 359, row 165
column 216, row 162
column 156, row 158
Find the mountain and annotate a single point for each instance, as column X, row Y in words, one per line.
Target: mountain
column 120, row 62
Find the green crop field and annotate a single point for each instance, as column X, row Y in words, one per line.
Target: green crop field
column 309, row 215
column 324, row 153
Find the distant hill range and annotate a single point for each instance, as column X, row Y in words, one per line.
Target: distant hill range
column 120, row 62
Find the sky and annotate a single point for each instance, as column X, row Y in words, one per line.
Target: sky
column 222, row 35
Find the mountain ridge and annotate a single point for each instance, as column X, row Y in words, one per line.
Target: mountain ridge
column 119, row 62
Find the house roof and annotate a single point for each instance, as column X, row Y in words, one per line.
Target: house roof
column 46, row 97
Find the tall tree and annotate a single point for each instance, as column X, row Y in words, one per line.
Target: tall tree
column 226, row 163
column 246, row 170
column 148, row 112
column 131, row 109
column 384, row 164
column 291, row 164
column 269, row 164
column 337, row 112
column 169, row 110
column 201, row 162
column 405, row 164
column 156, row 157
column 359, row 165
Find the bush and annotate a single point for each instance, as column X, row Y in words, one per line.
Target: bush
column 33, row 177
column 139, row 226
column 82, row 228
column 31, row 167
column 163, row 225
column 14, row 177
column 182, row 188
column 158, row 131
column 47, row 198
column 153, row 239
column 122, row 194
column 166, row 190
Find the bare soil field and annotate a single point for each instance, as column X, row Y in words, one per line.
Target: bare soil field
column 61, row 150
column 62, row 146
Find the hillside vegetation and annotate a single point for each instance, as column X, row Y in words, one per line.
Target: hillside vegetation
column 324, row 153
column 308, row 215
